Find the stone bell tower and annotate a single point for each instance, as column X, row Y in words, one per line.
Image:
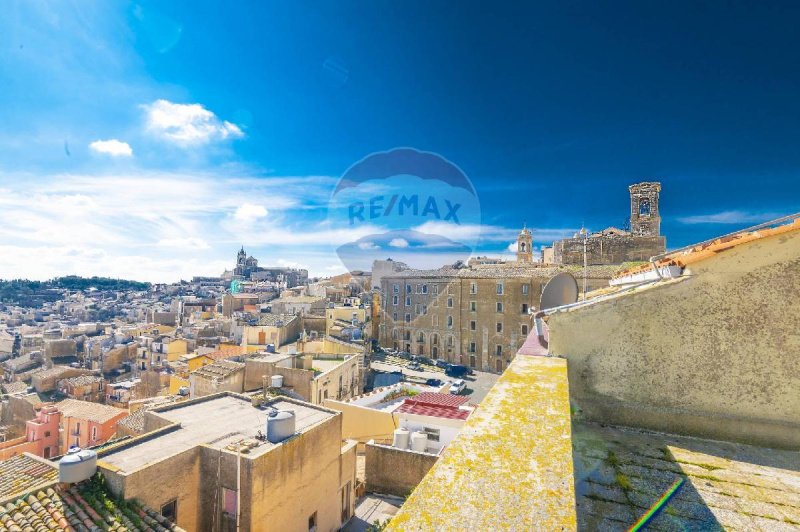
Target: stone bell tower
column 645, row 213
column 525, row 245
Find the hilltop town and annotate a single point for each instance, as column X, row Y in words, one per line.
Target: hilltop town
column 567, row 387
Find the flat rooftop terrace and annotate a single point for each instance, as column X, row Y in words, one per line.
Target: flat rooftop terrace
column 621, row 472
column 217, row 422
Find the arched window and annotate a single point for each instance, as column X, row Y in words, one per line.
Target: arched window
column 522, row 247
column 421, row 337
column 435, row 339
column 394, row 334
column 644, row 207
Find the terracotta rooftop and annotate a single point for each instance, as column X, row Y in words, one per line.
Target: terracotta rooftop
column 412, row 406
column 697, row 252
column 79, row 508
column 88, row 411
column 440, row 399
column 23, row 472
column 220, row 368
column 275, row 319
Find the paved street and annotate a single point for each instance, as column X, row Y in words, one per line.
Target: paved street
column 478, row 385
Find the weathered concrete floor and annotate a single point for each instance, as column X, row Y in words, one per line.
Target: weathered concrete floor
column 372, row 509
column 619, row 473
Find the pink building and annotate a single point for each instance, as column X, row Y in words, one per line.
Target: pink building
column 41, row 436
column 87, row 424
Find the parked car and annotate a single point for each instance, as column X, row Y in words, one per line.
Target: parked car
column 457, row 386
column 404, row 354
column 414, row 366
column 424, row 360
column 441, row 364
column 456, row 370
column 433, row 382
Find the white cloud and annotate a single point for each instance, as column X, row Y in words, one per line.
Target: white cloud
column 248, row 213
column 113, row 147
column 398, row 243
column 367, row 245
column 729, row 217
column 512, row 247
column 490, row 233
column 188, row 124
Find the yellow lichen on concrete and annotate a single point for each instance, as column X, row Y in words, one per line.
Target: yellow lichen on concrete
column 511, row 466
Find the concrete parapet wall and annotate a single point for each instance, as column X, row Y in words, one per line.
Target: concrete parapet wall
column 395, row 471
column 511, row 465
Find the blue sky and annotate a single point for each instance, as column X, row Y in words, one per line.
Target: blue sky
column 150, row 140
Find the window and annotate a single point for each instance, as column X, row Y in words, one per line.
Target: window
column 644, row 207
column 408, row 318
column 433, row 434
column 94, row 433
column 47, row 434
column 524, row 330
column 473, row 288
column 473, row 325
column 499, row 306
column 424, row 289
column 394, row 334
column 396, row 289
column 450, row 341
column 449, row 322
column 170, row 510
column 424, row 309
column 395, row 300
column 312, row 522
column 435, row 352
column 408, row 289
column 421, row 337
column 499, row 289
column 472, row 361
column 499, row 326
column 435, row 289
column 449, row 302
column 525, row 288
column 394, row 316
column 229, row 501
column 473, row 306
column 435, row 339
column 498, row 350
column 524, row 308
column 408, row 301
column 407, row 335
column 472, row 347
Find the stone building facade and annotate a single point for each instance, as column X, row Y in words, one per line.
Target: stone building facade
column 613, row 245
column 478, row 316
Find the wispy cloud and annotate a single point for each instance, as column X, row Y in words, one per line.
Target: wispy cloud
column 729, row 217
column 187, row 124
column 113, row 147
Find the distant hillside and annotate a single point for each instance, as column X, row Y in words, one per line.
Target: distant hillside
column 34, row 293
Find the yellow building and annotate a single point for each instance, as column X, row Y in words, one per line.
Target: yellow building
column 223, row 474
column 276, row 329
column 176, row 348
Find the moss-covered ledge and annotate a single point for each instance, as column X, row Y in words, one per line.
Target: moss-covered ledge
column 511, row 465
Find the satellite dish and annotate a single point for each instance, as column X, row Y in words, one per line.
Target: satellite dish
column 559, row 290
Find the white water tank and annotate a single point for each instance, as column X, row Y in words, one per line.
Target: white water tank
column 401, row 438
column 276, row 381
column 280, row 425
column 77, row 465
column 419, row 441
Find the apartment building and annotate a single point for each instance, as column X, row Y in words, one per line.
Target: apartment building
column 477, row 315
